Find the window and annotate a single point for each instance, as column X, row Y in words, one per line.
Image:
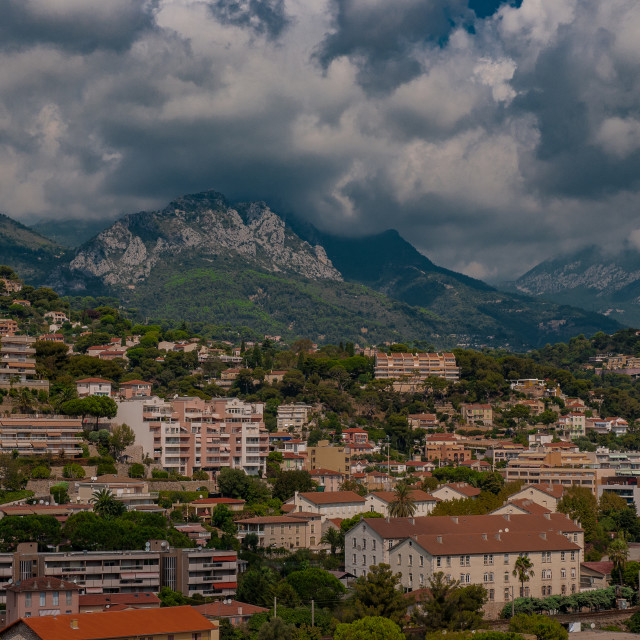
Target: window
column 506, row 576
column 562, row 556
column 364, row 559
column 399, row 559
column 448, row 561
column 507, row 593
column 492, row 594
column 422, row 578
column 468, row 558
column 422, row 561
column 462, row 561
column 575, row 537
column 410, row 560
column 506, row 558
column 438, row 561
column 354, row 543
column 573, row 588
column 43, row 598
column 374, row 560
column 27, row 599
column 573, row 573
column 354, row 558
column 56, row 598
column 364, row 543
column 563, row 573
column 488, row 558
column 573, row 555
column 411, row 578
column 373, row 545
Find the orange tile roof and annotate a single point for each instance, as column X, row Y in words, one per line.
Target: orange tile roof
column 104, row 599
column 529, row 506
column 331, row 497
column 218, row 501
column 417, row 495
column 118, row 624
column 221, row 609
column 463, row 488
column 89, row 380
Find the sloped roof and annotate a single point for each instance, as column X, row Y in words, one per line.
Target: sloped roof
column 104, row 599
column 331, row 497
column 43, row 584
column 461, row 487
column 604, row 567
column 528, row 506
column 417, row 495
column 222, row 609
column 118, row 624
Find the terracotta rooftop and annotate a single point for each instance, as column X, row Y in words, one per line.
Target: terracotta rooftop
column 104, row 599
column 94, row 380
column 43, row 584
column 217, row 501
column 397, row 528
column 118, row 624
column 555, row 490
column 270, row 520
column 331, row 497
column 232, row 609
column 417, row 495
column 325, row 472
column 130, row 382
column 603, row 567
column 461, row 487
column 530, row 506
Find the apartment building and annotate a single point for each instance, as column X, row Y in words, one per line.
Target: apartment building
column 488, row 559
column 302, row 530
column 326, row 456
column 41, row 597
column 169, row 623
column 379, row 502
column 374, row 540
column 423, row 421
column 416, row 366
column 186, row 434
column 135, row 389
column 130, row 491
column 327, row 479
column 477, row 414
column 32, row 435
column 17, row 366
column 10, row 286
column 574, row 425
column 207, row 572
column 452, row 452
column 617, row 426
column 293, row 416
column 505, row 451
column 8, row 327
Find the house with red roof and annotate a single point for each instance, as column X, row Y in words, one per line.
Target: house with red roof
column 179, row 623
column 546, row 495
column 379, row 501
column 455, row 491
column 93, row 387
column 135, row 389
column 94, row 602
column 236, row 612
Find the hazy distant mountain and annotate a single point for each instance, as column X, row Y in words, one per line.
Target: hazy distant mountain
column 592, row 279
column 33, row 256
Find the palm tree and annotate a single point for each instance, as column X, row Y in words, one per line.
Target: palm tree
column 523, row 571
column 618, row 554
column 334, row 538
column 106, row 505
column 403, row 505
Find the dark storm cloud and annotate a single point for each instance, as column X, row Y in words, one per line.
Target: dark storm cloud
column 383, row 40
column 261, row 16
column 75, row 25
column 491, row 137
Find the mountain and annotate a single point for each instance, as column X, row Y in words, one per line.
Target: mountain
column 32, row 255
column 590, row 278
column 220, row 265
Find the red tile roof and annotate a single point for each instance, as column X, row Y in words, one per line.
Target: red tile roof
column 463, row 488
column 529, row 506
column 217, row 501
column 417, row 495
column 555, row 490
column 96, row 380
column 232, row 609
column 104, row 599
column 604, row 567
column 130, row 382
column 325, row 472
column 118, row 624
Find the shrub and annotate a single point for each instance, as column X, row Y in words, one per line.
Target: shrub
column 200, row 475
column 107, row 468
column 634, row 622
column 73, row 470
column 543, row 627
column 157, row 473
column 136, row 470
column 40, row 472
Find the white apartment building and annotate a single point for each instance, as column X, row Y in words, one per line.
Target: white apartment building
column 293, row 416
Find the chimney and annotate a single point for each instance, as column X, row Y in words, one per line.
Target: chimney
column 543, row 535
column 412, row 520
column 74, row 623
column 498, row 537
column 455, row 519
column 484, row 536
column 547, row 516
column 439, row 539
column 239, row 611
column 507, row 517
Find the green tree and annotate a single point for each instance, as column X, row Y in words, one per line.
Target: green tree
column 450, row 606
column 379, row 593
column 136, row 470
column 618, row 553
column 45, row 530
column 523, row 570
column 73, row 470
column 403, row 505
column 12, row 475
column 318, row 585
column 369, row 628
column 106, row 505
column 580, row 504
column 334, row 538
column 41, row 472
column 122, row 436
column 288, row 482
column 277, row 629
column 634, row 622
column 256, row 586
column 543, row 627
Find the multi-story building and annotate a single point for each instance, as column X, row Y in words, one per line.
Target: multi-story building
column 295, row 531
column 326, row 456
column 455, row 491
column 135, row 389
column 573, row 424
column 93, row 387
column 335, row 504
column 477, row 413
column 130, row 491
column 379, row 501
column 423, row 421
column 11, row 286
column 17, row 367
column 376, row 540
column 207, row 572
column 545, row 495
column 327, row 479
column 418, row 366
column 450, row 452
column 8, row 327
column 295, row 416
column 617, row 426
column 488, row 559
column 187, row 434
column 32, row 435
column 37, row 597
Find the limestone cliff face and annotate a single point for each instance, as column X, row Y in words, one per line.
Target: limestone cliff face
column 203, row 224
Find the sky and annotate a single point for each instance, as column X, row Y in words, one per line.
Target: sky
column 491, row 135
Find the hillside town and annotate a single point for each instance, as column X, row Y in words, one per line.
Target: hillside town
column 238, row 486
